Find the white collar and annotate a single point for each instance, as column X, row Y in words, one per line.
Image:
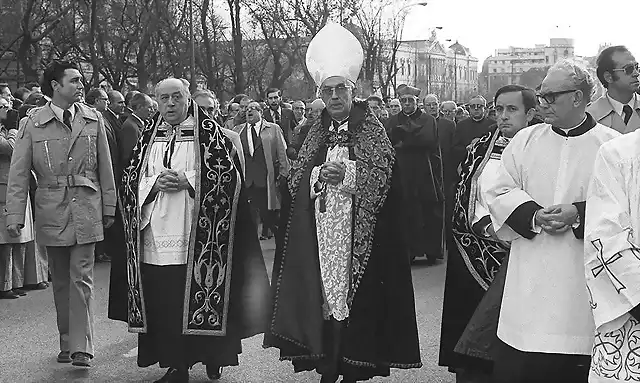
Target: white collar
column 617, row 105
column 59, row 112
column 344, row 125
column 257, row 126
column 138, row 118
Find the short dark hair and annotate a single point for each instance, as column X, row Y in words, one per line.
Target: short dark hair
column 129, row 97
column 36, row 99
column 528, row 95
column 375, row 98
column 138, row 100
column 271, row 90
column 93, row 95
column 605, row 63
column 55, row 71
column 20, row 92
column 32, row 84
column 239, row 97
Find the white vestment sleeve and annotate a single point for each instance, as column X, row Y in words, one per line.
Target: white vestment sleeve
column 612, row 257
column 504, row 192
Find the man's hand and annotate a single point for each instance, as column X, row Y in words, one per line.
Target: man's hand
column 14, row 230
column 567, row 214
column 547, row 219
column 332, row 172
column 107, row 221
column 166, row 181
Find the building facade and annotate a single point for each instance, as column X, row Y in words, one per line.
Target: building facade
column 451, row 73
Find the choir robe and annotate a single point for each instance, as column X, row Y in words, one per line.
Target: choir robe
column 473, row 260
column 612, row 259
column 545, row 306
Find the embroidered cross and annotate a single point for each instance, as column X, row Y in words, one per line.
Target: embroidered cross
column 604, row 265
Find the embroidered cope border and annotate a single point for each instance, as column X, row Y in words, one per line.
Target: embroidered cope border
column 209, row 260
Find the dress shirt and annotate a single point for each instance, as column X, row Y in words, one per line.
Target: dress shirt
column 273, row 115
column 256, row 127
column 59, row 112
column 618, row 106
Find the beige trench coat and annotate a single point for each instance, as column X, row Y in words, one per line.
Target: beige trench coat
column 76, row 188
column 275, row 155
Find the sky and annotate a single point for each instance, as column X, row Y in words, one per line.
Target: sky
column 486, row 25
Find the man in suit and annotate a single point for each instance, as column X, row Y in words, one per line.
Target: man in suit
column 278, row 115
column 266, row 166
column 128, row 134
column 619, row 107
column 114, row 109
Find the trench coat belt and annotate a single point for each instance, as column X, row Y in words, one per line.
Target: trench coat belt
column 70, row 181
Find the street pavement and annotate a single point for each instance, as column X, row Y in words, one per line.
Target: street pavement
column 29, row 340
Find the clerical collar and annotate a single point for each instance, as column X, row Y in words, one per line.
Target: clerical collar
column 409, row 115
column 339, row 125
column 587, row 123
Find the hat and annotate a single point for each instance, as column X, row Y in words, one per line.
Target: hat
column 404, row 90
column 334, row 51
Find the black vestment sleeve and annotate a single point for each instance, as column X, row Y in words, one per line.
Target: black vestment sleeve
column 579, row 231
column 478, row 226
column 520, row 219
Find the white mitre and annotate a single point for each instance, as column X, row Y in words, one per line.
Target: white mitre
column 334, row 51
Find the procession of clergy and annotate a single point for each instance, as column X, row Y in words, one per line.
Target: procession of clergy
column 539, row 221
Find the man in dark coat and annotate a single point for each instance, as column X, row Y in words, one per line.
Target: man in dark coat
column 343, row 296
column 414, row 136
column 469, row 129
column 279, row 115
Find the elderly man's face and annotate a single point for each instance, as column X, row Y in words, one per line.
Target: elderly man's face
column 254, row 112
column 409, row 103
column 477, row 108
column 431, row 106
column 298, row 110
column 234, row 109
column 449, row 111
column 117, row 104
column 208, row 104
column 145, row 110
column 375, row 107
column 337, row 94
column 557, row 98
column 172, row 101
column 5, row 93
column 394, row 107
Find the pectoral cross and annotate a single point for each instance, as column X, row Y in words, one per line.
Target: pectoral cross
column 604, row 265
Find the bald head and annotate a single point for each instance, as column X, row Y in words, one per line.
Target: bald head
column 116, row 101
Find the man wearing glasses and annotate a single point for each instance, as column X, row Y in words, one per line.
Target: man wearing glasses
column 468, row 129
column 414, row 135
column 343, row 296
column 537, row 201
column 619, row 107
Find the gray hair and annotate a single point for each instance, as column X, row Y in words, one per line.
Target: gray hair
column 204, row 93
column 449, row 103
column 432, row 95
column 184, row 89
column 579, row 77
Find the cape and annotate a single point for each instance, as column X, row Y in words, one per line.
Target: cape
column 473, row 261
column 380, row 298
column 218, row 247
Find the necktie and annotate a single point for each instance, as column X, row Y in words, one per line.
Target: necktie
column 628, row 112
column 255, row 138
column 66, row 118
column 276, row 117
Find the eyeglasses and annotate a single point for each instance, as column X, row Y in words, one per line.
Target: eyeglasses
column 340, row 90
column 249, row 108
column 551, row 97
column 628, row 69
column 407, row 99
column 476, row 106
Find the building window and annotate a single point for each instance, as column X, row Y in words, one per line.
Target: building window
column 566, row 53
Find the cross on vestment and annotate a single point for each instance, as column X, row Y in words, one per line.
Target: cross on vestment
column 604, row 265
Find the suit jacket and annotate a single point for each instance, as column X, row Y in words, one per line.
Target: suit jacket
column 111, row 127
column 274, row 149
column 446, row 133
column 237, row 143
column 602, row 111
column 287, row 122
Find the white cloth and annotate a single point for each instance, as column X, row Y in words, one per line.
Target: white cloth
column 545, row 306
column 486, row 178
column 618, row 106
column 166, row 221
column 612, row 259
column 334, row 234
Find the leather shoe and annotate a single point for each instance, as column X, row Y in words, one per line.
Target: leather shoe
column 64, row 357
column 38, row 286
column 20, row 292
column 175, row 375
column 8, row 295
column 81, row 359
column 213, row 372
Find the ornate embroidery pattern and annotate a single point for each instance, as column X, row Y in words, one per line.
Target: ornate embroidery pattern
column 616, row 355
column 483, row 256
column 604, row 266
column 211, row 248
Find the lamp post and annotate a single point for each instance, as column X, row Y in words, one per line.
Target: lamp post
column 399, row 42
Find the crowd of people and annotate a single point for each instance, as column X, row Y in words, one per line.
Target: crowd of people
column 531, row 198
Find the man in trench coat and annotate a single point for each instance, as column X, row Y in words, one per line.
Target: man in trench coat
column 65, row 144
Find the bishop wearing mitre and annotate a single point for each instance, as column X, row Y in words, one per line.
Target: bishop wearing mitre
column 343, row 300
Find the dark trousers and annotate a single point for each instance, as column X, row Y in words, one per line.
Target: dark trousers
column 260, row 209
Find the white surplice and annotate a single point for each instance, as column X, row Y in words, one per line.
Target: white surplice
column 486, row 179
column 166, row 221
column 334, row 230
column 612, row 259
column 545, row 306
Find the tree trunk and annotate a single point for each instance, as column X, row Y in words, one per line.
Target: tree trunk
column 236, row 31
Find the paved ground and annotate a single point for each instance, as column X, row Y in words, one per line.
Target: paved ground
column 29, row 341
